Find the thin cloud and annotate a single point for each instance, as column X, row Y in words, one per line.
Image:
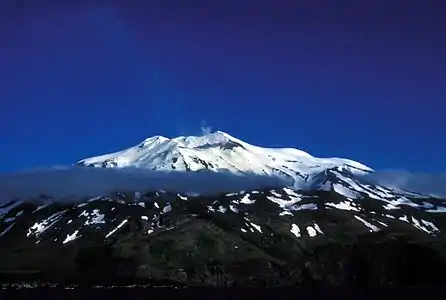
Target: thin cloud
column 77, row 183
column 433, row 184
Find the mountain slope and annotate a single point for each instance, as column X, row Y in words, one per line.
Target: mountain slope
column 165, row 236
column 220, row 152
column 204, row 211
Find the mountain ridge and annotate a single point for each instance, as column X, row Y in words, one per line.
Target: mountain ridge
column 217, row 145
column 222, row 153
column 232, row 217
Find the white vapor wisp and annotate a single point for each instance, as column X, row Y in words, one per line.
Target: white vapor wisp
column 205, row 129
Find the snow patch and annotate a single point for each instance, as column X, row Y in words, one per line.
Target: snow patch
column 246, row 200
column 372, row 227
column 404, row 218
column 344, row 205
column 318, row 229
column 431, row 225
column 438, row 209
column 40, row 227
column 40, row 207
column 5, row 210
column 419, row 226
column 295, row 230
column 383, row 224
column 93, row 218
column 342, row 190
column 181, row 197
column 274, row 193
column 117, row 228
column 286, row 213
column 291, row 192
column 390, row 206
column 71, row 237
column 167, row 209
column 257, row 227
column 311, row 232
column 7, row 229
column 233, row 208
column 308, row 206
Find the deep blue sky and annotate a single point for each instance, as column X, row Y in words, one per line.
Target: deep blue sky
column 363, row 81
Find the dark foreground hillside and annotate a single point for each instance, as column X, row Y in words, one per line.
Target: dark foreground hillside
column 159, row 239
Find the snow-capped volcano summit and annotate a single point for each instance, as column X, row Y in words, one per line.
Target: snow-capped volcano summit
column 220, row 152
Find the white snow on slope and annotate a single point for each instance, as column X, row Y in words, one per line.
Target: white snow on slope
column 318, row 229
column 40, row 227
column 295, row 230
column 257, row 227
column 166, row 209
column 438, row 209
column 311, row 231
column 308, row 206
column 225, row 163
column 344, row 205
column 246, row 200
column 41, row 207
column 71, row 237
column 181, row 197
column 340, row 189
column 233, row 208
column 4, row 210
column 404, row 219
column 5, row 231
column 282, row 202
column 372, row 227
column 286, row 213
column 431, row 225
column 117, row 228
column 220, row 151
column 420, row 226
column 383, row 224
column 93, row 218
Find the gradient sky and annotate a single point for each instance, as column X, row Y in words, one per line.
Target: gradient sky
column 357, row 80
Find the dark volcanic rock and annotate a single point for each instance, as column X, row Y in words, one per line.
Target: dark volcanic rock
column 239, row 239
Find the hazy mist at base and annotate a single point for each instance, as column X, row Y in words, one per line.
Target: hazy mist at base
column 432, row 184
column 72, row 183
column 67, row 183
